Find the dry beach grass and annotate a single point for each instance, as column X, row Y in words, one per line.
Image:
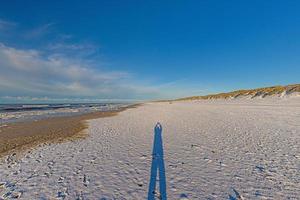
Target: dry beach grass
column 263, row 92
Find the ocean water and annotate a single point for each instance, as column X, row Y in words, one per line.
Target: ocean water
column 26, row 112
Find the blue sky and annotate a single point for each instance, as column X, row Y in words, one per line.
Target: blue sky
column 127, row 50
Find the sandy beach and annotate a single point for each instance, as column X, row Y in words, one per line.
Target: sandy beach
column 211, row 148
column 21, row 136
column 156, row 100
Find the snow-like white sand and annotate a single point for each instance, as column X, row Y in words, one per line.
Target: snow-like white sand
column 210, row 148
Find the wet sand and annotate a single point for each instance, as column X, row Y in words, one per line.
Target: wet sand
column 21, row 136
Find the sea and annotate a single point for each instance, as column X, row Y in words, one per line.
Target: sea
column 27, row 112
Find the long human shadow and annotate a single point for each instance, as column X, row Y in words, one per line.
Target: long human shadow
column 157, row 165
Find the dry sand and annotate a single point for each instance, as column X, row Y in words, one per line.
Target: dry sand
column 210, row 150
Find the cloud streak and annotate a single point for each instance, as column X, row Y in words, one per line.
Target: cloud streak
column 5, row 25
column 62, row 70
column 39, row 31
column 29, row 72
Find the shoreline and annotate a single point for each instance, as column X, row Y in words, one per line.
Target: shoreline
column 18, row 137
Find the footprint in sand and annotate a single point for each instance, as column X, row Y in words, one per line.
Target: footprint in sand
column 140, row 184
column 195, row 146
column 78, row 169
column 174, row 189
column 172, row 166
column 62, row 194
column 2, row 184
column 236, row 195
column 86, row 180
column 79, row 196
column 183, row 197
column 143, row 157
column 17, row 172
column 93, row 159
column 47, row 174
column 61, row 179
column 10, row 191
column 11, row 160
column 12, row 195
column 50, row 164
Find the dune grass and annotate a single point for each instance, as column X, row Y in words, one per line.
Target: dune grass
column 266, row 91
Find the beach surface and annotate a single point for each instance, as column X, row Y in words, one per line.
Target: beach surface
column 211, row 149
column 20, row 136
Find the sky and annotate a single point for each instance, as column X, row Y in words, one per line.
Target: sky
column 144, row 50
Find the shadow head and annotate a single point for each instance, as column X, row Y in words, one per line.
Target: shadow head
column 158, row 127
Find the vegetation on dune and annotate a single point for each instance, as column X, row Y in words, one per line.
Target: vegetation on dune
column 263, row 92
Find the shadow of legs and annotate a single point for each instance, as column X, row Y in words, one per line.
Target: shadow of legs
column 157, row 166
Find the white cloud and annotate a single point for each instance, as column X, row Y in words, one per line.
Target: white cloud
column 66, row 46
column 39, row 31
column 5, row 25
column 60, row 69
column 82, row 49
column 32, row 73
